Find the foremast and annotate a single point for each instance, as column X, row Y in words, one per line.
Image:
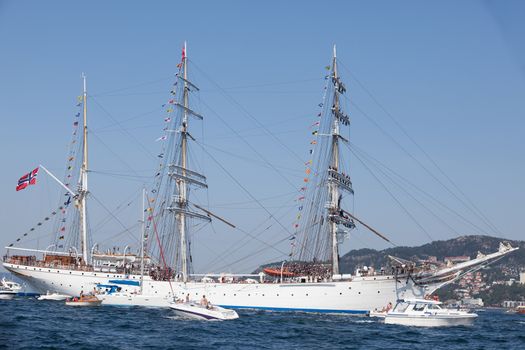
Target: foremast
column 337, row 181
column 83, row 181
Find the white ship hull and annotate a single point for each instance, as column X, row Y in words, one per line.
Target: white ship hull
column 358, row 296
column 134, row 299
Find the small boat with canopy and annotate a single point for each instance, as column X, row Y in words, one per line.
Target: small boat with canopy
column 427, row 313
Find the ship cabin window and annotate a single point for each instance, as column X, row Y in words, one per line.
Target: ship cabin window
column 303, row 280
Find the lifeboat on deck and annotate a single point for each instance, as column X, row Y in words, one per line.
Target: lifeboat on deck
column 277, row 272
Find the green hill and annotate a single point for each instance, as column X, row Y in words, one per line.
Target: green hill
column 465, row 245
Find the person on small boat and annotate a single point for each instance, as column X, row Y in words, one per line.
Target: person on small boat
column 205, row 302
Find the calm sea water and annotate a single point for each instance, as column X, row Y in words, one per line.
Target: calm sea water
column 26, row 323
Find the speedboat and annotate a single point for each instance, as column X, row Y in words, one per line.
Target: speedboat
column 16, row 287
column 53, row 296
column 6, row 293
column 84, row 300
column 427, row 313
column 195, row 310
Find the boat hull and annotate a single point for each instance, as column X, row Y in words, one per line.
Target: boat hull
column 83, row 303
column 7, row 296
column 431, row 321
column 53, row 297
column 358, row 296
column 194, row 311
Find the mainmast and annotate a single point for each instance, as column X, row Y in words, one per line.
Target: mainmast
column 83, row 183
column 183, row 176
column 337, row 181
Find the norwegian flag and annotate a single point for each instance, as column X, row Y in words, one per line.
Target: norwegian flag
column 27, row 179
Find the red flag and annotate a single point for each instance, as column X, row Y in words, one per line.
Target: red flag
column 184, row 52
column 27, row 179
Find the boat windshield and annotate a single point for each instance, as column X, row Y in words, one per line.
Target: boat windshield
column 419, row 307
column 401, row 306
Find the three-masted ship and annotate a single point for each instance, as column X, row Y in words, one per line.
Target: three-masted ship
column 310, row 281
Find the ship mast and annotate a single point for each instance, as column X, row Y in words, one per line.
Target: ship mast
column 334, row 191
column 183, row 176
column 338, row 182
column 142, row 240
column 83, row 183
column 182, row 183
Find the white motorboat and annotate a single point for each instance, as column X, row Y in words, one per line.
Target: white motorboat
column 55, row 296
column 427, row 313
column 195, row 310
column 16, row 287
column 6, row 293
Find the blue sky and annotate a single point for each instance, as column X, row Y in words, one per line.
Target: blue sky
column 452, row 74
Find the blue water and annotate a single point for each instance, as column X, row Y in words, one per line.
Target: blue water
column 26, row 323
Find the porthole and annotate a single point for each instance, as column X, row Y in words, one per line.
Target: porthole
column 358, row 292
column 340, row 293
column 277, row 294
column 306, row 294
column 378, row 292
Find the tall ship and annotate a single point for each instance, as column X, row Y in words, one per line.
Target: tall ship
column 310, row 280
